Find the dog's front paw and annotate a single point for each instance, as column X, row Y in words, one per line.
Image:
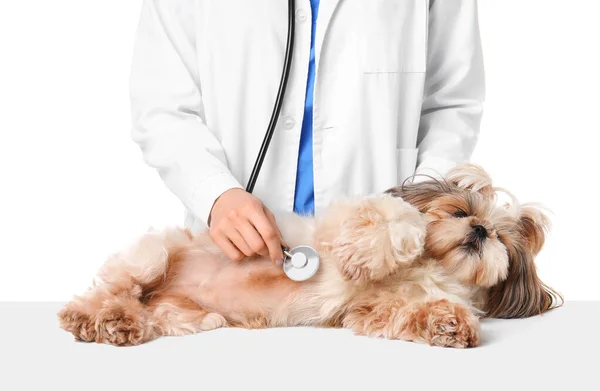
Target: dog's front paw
column 364, row 250
column 408, row 238
column 356, row 271
column 448, row 324
column 380, row 234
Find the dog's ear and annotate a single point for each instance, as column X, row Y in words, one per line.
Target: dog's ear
column 420, row 194
column 472, row 177
column 523, row 294
column 533, row 225
column 424, row 192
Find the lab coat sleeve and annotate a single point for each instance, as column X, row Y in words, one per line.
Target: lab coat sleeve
column 454, row 87
column 168, row 114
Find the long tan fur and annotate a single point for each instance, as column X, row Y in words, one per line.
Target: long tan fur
column 422, row 262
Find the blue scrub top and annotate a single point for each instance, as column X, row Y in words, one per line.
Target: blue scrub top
column 304, row 197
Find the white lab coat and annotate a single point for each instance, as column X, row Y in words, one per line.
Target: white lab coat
column 399, row 87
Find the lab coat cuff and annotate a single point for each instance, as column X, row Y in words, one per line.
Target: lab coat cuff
column 206, row 193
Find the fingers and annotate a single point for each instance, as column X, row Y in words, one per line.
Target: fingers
column 267, row 228
column 255, row 242
column 271, row 217
column 239, row 240
column 243, row 227
column 230, row 250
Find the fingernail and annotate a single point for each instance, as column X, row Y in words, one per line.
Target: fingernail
column 279, row 262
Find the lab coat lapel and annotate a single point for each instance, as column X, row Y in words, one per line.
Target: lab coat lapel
column 326, row 11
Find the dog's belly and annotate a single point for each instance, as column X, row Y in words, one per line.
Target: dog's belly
column 251, row 289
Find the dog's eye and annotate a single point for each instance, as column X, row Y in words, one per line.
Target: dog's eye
column 460, row 214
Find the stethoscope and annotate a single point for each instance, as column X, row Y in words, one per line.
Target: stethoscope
column 302, row 262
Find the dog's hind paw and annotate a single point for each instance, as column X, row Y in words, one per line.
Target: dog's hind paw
column 118, row 325
column 78, row 323
column 116, row 328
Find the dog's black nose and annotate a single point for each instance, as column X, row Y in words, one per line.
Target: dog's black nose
column 480, row 231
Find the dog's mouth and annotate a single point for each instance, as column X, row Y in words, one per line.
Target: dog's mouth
column 473, row 244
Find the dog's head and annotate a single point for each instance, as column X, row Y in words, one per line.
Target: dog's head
column 482, row 243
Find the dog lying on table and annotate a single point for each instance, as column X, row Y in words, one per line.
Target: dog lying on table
column 421, row 262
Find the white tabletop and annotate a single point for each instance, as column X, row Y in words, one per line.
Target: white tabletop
column 555, row 351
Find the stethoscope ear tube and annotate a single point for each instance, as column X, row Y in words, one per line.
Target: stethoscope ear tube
column 289, row 53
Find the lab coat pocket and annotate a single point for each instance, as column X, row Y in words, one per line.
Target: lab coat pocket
column 407, row 163
column 393, row 35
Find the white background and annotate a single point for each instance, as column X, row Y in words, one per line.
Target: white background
column 74, row 188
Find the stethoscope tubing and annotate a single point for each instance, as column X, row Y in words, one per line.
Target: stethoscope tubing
column 289, row 53
column 310, row 255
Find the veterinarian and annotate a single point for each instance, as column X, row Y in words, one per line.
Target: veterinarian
column 378, row 90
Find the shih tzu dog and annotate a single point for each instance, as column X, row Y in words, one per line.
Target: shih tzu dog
column 421, row 262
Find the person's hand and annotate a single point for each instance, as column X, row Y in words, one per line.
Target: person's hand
column 242, row 227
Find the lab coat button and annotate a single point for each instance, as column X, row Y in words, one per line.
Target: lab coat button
column 289, row 123
column 301, row 16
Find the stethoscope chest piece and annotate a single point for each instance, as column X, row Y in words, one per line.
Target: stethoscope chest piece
column 301, row 263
